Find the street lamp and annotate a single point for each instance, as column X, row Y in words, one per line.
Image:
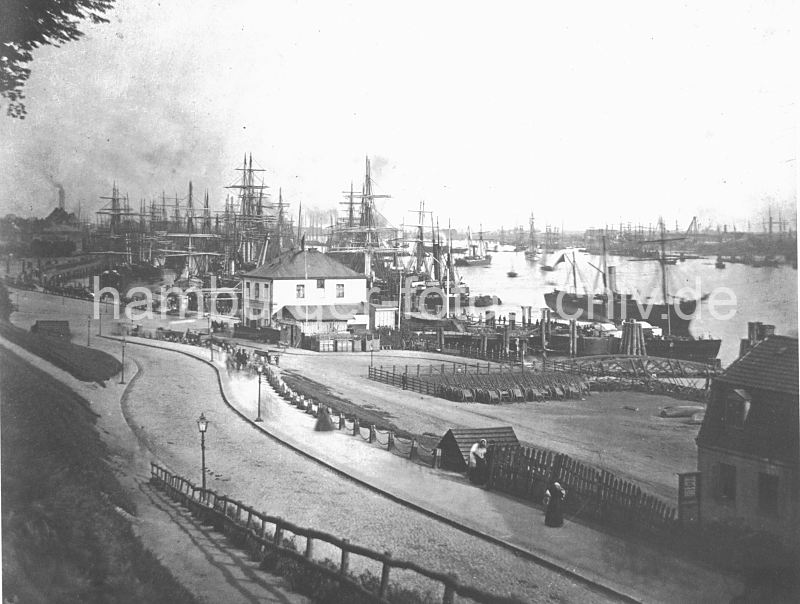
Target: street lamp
column 122, row 380
column 89, row 332
column 202, row 425
column 260, row 371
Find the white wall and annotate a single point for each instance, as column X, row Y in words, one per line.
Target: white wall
column 283, row 292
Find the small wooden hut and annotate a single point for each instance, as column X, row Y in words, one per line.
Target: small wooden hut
column 457, row 442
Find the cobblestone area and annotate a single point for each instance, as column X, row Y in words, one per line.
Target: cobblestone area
column 171, row 392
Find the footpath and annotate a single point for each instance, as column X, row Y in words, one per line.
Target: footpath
column 630, row 568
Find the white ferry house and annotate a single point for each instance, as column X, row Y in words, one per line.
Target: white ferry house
column 305, row 292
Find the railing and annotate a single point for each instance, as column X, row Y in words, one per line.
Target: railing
column 248, row 528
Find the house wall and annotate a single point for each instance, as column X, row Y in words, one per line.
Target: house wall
column 745, row 506
column 383, row 317
column 311, row 328
column 283, row 292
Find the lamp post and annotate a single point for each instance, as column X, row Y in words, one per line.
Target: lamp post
column 260, row 371
column 89, row 332
column 202, row 425
column 122, row 380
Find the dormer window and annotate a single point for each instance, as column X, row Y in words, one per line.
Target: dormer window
column 736, row 408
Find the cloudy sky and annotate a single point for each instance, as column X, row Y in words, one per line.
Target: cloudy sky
column 585, row 113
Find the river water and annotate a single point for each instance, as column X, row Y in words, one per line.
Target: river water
column 768, row 295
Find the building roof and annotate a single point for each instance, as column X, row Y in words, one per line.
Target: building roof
column 754, row 405
column 772, row 364
column 462, row 439
column 323, row 312
column 304, row 264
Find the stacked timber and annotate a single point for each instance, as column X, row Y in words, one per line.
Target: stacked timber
column 632, row 339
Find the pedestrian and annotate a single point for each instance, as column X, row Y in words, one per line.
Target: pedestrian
column 553, row 498
column 477, row 462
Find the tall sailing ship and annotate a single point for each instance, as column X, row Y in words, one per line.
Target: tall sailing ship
column 476, row 252
column 533, row 250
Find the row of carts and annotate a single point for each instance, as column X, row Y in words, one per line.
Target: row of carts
column 517, row 387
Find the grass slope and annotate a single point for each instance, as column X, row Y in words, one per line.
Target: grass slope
column 65, row 534
column 86, row 364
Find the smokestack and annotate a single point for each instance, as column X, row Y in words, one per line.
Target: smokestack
column 61, row 196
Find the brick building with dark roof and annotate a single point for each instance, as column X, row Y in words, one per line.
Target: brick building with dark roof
column 749, row 443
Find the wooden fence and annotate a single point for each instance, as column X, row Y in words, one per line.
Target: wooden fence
column 263, row 535
column 591, row 493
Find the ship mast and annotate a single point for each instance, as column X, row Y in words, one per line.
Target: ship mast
column 663, row 261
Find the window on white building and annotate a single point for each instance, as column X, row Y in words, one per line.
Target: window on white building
column 340, row 290
column 320, row 283
column 256, row 290
column 247, row 289
column 301, row 291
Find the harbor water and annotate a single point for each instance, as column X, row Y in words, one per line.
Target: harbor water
column 768, row 295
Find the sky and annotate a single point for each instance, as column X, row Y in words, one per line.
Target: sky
column 584, row 113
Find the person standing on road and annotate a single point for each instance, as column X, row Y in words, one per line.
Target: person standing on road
column 553, row 498
column 477, row 462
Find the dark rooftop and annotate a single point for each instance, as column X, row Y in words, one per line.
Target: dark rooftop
column 771, row 364
column 304, row 264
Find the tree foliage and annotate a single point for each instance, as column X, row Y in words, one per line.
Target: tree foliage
column 28, row 24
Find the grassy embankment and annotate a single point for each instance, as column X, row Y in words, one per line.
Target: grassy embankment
column 86, row 364
column 66, row 537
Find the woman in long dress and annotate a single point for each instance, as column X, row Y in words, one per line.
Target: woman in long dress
column 553, row 497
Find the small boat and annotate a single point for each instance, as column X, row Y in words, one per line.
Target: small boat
column 485, row 300
column 512, row 273
column 719, row 263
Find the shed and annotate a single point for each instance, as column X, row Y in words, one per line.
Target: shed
column 457, row 442
column 51, row 329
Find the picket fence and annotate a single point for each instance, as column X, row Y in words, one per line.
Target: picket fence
column 591, row 493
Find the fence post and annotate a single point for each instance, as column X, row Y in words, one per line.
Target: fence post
column 309, row 548
column 450, row 590
column 345, row 563
column 372, row 434
column 390, row 444
column 413, row 447
column 385, row 575
column 355, row 426
column 341, row 421
column 277, row 538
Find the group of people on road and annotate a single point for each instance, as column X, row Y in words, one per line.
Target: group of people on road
column 554, row 496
